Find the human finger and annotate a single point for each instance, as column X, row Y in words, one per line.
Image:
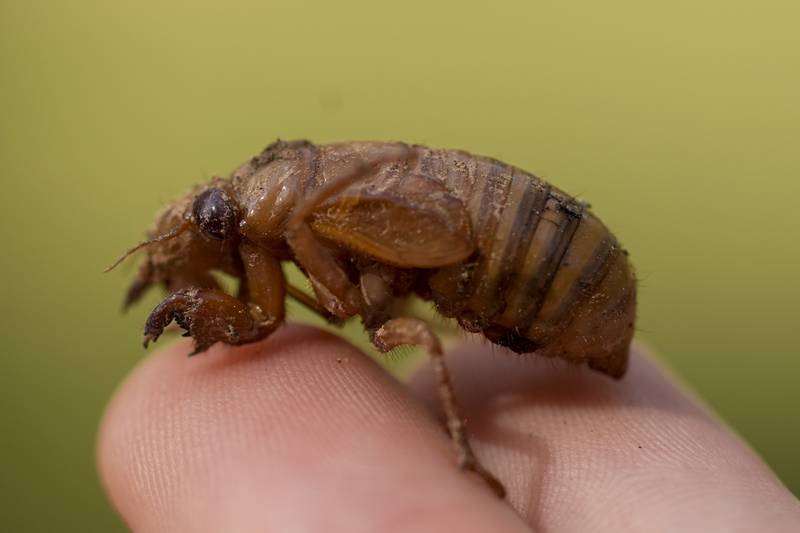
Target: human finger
column 581, row 452
column 301, row 432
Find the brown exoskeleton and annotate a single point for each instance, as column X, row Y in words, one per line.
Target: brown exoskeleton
column 371, row 223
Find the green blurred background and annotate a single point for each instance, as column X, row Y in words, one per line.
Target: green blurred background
column 679, row 121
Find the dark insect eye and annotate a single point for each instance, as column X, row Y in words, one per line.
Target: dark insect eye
column 215, row 213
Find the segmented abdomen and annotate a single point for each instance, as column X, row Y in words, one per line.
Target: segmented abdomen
column 545, row 267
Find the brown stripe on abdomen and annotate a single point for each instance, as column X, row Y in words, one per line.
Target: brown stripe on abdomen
column 583, row 266
column 526, row 223
column 526, row 295
column 498, row 252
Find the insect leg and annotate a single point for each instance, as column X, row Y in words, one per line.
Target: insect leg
column 207, row 315
column 142, row 282
column 334, row 290
column 211, row 315
column 300, row 296
column 399, row 331
column 266, row 286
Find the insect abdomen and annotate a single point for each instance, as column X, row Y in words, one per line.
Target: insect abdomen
column 546, row 269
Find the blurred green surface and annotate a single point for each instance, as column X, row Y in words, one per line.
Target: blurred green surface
column 679, row 121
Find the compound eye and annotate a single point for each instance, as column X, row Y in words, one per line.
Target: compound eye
column 215, row 213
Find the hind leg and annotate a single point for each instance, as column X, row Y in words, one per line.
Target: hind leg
column 399, row 331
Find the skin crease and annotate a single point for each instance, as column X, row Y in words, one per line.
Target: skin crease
column 302, row 432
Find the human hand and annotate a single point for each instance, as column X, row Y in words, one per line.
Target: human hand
column 302, row 432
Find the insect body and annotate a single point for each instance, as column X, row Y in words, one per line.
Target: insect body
column 371, row 223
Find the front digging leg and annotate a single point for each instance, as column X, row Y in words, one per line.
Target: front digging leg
column 211, row 315
column 208, row 316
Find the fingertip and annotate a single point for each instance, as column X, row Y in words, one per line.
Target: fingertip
column 175, row 416
column 299, row 431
